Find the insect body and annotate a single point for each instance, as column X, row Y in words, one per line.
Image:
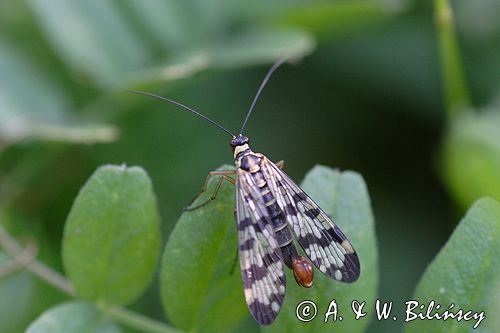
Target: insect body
column 272, row 213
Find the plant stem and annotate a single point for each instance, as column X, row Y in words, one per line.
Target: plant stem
column 137, row 321
column 455, row 87
column 49, row 275
column 122, row 315
column 16, row 251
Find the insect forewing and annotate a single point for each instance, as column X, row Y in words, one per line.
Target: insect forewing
column 260, row 257
column 321, row 239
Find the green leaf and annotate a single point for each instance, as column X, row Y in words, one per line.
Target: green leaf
column 73, row 317
column 16, row 298
column 455, row 88
column 17, row 292
column 200, row 290
column 33, row 106
column 466, row 272
column 335, row 15
column 248, row 47
column 345, row 197
column 471, row 156
column 23, row 296
column 92, row 37
column 111, row 237
column 25, row 89
column 256, row 46
column 170, row 24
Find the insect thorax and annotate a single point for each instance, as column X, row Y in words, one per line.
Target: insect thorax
column 250, row 162
column 246, row 159
column 241, row 150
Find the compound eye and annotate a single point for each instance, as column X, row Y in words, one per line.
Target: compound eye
column 234, row 142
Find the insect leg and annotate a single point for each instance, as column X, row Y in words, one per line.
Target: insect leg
column 224, row 175
column 233, row 266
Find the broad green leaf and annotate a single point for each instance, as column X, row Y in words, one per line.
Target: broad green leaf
column 471, row 156
column 468, row 14
column 16, row 297
column 33, row 106
column 92, row 37
column 202, row 248
column 73, row 317
column 250, row 46
column 173, row 24
column 111, row 236
column 345, row 197
column 466, row 272
column 260, row 46
column 200, row 286
column 336, row 15
column 25, row 89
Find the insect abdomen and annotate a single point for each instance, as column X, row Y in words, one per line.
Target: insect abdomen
column 281, row 228
column 302, row 267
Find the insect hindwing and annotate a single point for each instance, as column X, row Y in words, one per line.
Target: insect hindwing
column 321, row 239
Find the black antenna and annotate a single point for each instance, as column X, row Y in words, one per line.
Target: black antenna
column 262, row 85
column 163, row 99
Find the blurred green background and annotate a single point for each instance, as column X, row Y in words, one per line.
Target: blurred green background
column 365, row 93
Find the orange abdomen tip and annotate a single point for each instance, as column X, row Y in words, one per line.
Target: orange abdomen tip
column 303, row 271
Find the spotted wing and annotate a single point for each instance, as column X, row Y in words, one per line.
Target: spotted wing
column 322, row 240
column 260, row 256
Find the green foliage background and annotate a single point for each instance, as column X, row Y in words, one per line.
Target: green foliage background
column 387, row 88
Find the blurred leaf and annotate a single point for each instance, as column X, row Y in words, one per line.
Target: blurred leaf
column 320, row 16
column 455, row 87
column 32, row 106
column 22, row 295
column 466, row 272
column 111, row 237
column 92, row 37
column 102, row 44
column 16, row 299
column 200, row 290
column 249, row 47
column 172, row 25
column 24, row 89
column 24, row 93
column 19, row 128
column 201, row 252
column 471, row 156
column 73, row 317
column 261, row 46
column 345, row 197
column 479, row 22
column 247, row 325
